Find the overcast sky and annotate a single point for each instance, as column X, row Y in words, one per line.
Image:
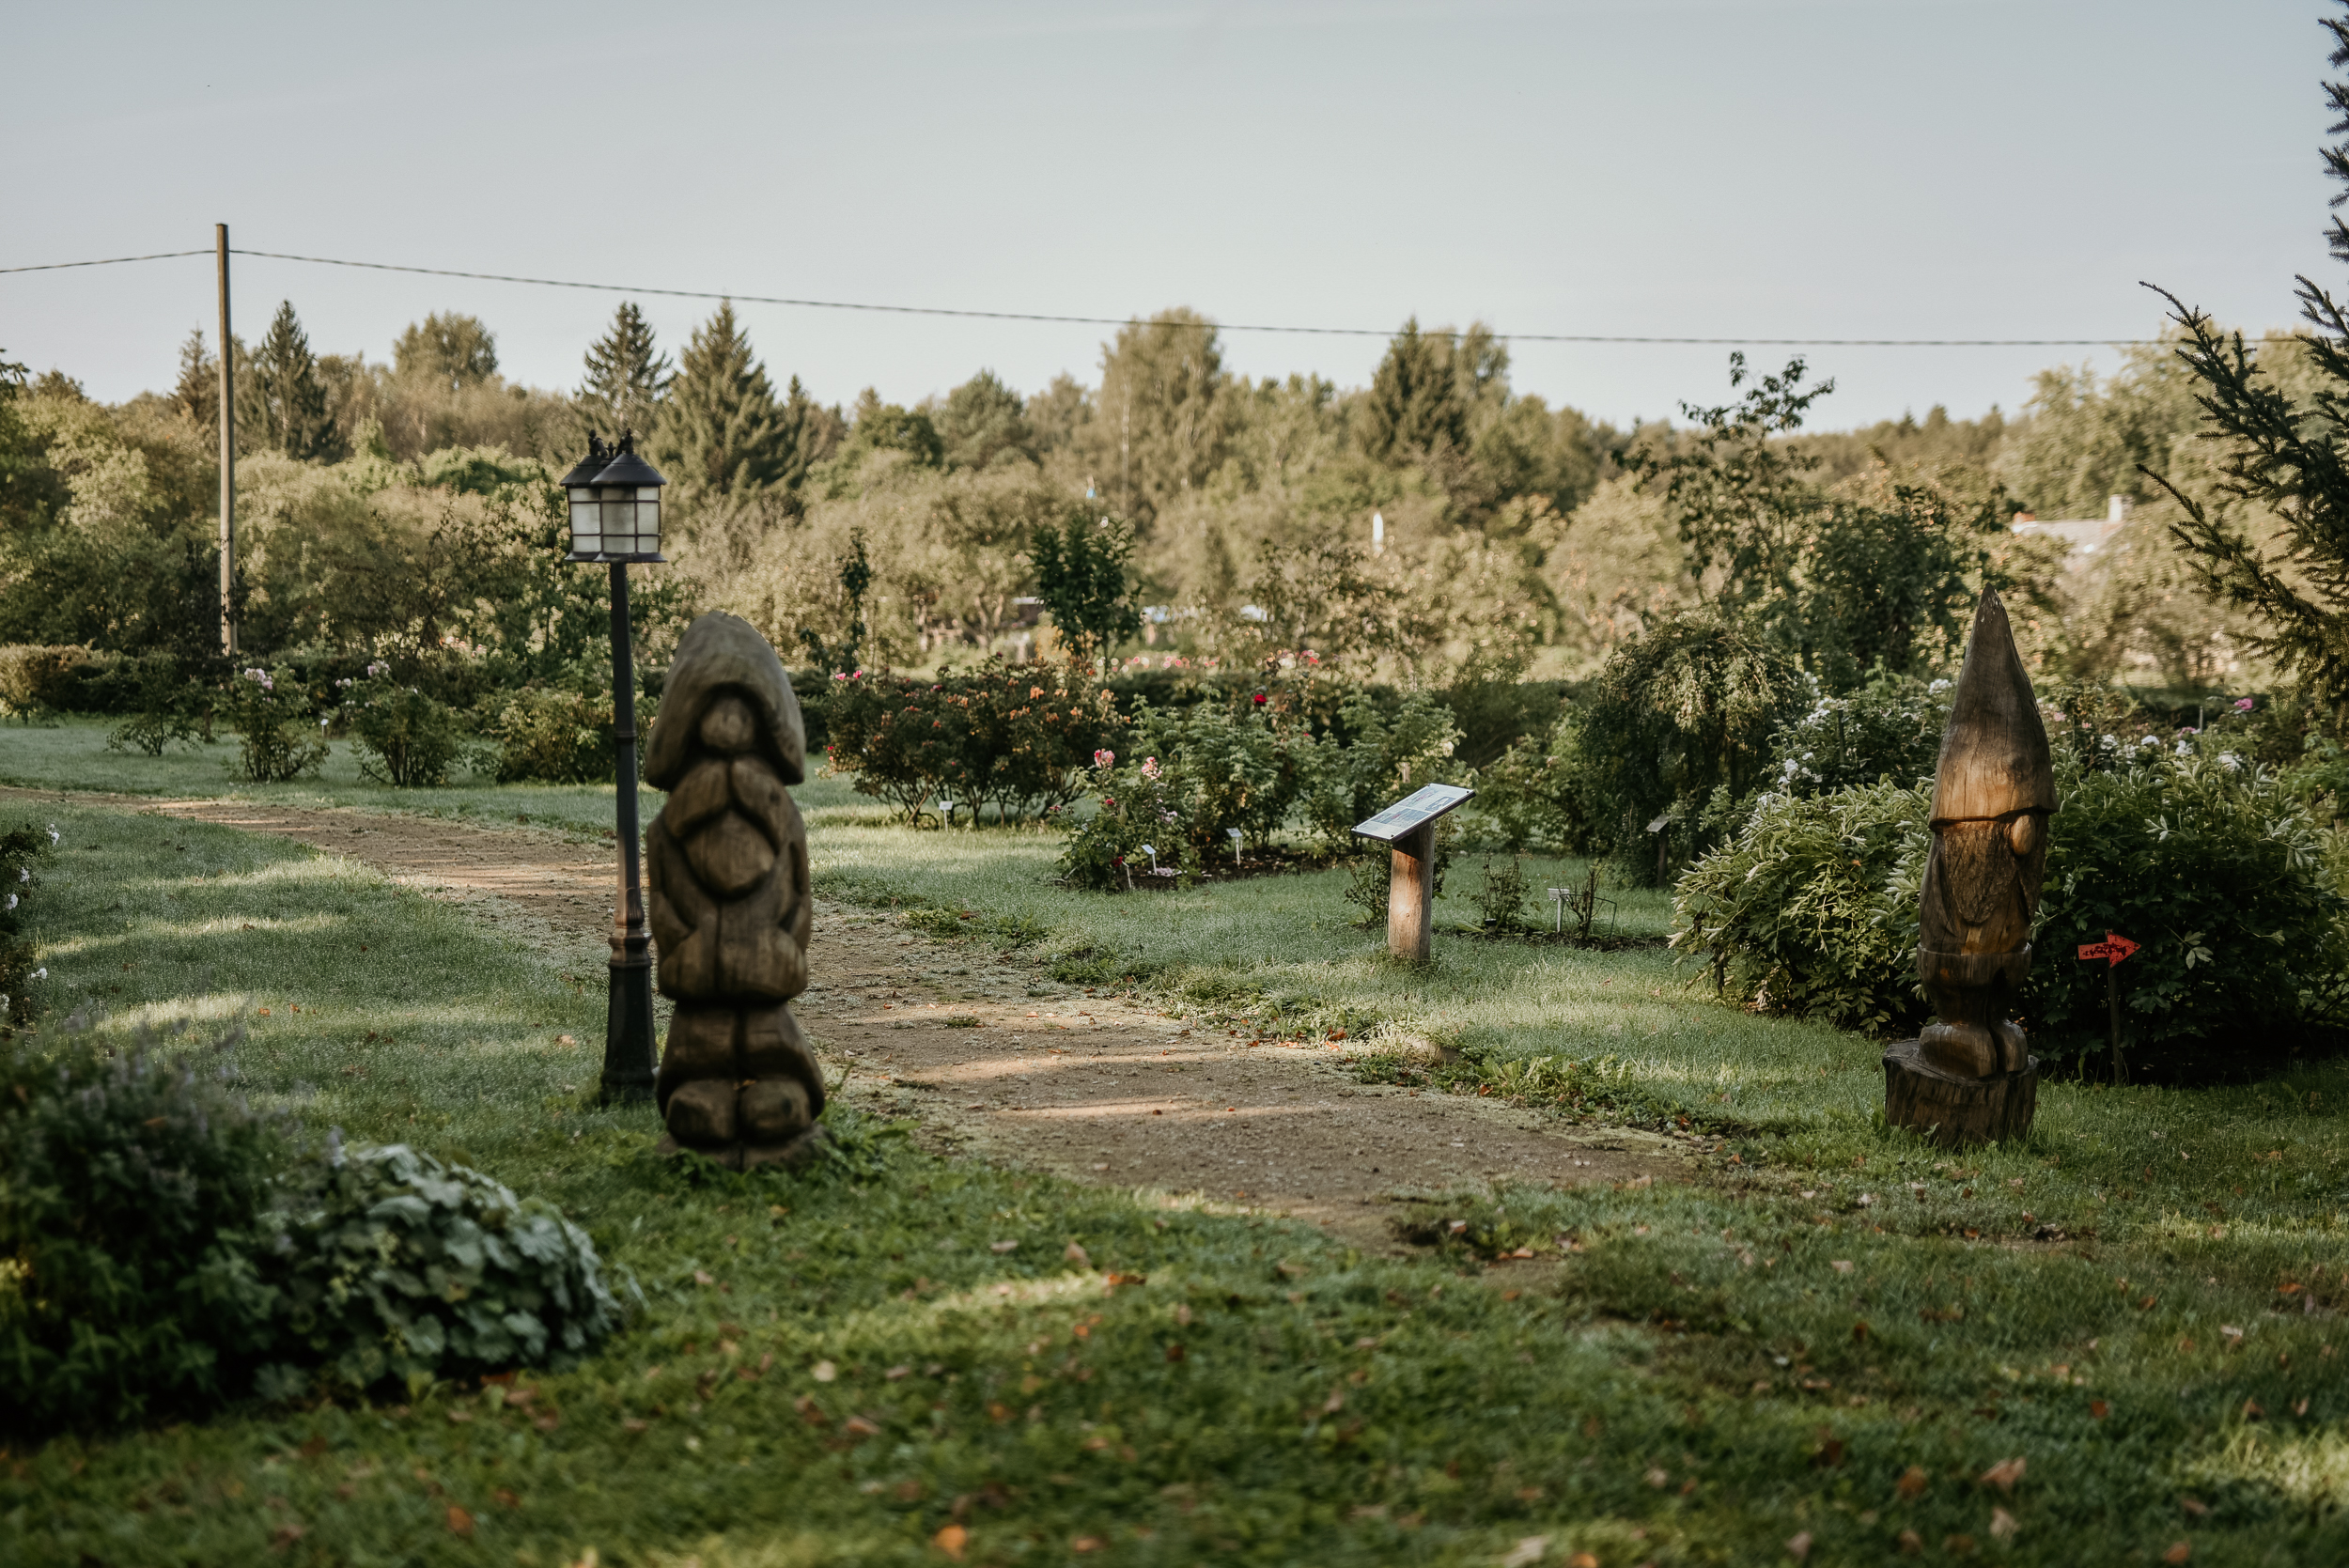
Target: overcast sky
column 1763, row 168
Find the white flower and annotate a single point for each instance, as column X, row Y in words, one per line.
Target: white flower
column 11, row 901
column 53, row 834
column 1937, row 688
column 2231, row 762
column 41, row 973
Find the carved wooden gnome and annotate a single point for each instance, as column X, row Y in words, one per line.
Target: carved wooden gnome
column 1969, row 1073
column 727, row 861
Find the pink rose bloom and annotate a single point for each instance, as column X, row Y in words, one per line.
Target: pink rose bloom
column 2243, row 705
column 1104, row 759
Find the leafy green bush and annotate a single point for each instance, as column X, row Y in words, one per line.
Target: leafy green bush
column 1529, row 793
column 404, row 736
column 35, row 679
column 1016, row 737
column 1224, row 765
column 1810, row 907
column 166, row 706
column 2209, row 862
column 393, row 1266
column 1891, row 728
column 164, row 1248
column 1135, row 832
column 553, row 735
column 1386, row 756
column 2205, row 859
column 21, row 848
column 132, row 1185
column 272, row 718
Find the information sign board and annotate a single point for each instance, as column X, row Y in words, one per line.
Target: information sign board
column 1413, row 811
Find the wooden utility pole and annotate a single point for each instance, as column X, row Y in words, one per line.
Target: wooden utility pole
column 228, row 452
column 1411, row 894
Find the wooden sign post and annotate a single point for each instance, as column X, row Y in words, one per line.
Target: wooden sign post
column 2114, row 948
column 1409, row 825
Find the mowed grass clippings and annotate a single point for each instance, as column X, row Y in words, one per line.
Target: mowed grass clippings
column 1807, row 1347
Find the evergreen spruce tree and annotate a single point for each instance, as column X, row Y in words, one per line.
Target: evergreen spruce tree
column 627, row 378
column 720, row 430
column 2287, row 459
column 1414, row 407
column 290, row 396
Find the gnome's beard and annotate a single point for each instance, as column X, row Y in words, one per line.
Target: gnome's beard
column 1981, row 891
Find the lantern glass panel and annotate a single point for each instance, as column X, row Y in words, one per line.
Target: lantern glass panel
column 619, row 522
column 587, row 530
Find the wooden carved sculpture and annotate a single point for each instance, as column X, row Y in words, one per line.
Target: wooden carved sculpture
column 1969, row 1075
column 727, row 861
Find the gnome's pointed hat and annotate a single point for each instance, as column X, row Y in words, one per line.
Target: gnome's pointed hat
column 1994, row 754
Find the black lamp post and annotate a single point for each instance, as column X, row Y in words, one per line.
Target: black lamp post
column 616, row 518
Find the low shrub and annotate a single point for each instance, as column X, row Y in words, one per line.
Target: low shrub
column 2208, row 862
column 404, row 736
column 1225, row 766
column 2205, row 859
column 394, row 1267
column 165, row 707
column 1135, row 832
column 35, row 679
column 133, row 1187
column 1810, row 907
column 21, row 848
column 272, row 719
column 165, row 1247
column 553, row 735
column 1386, row 755
column 1018, row 738
column 1531, row 792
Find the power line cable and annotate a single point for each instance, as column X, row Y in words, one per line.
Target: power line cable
column 1123, row 322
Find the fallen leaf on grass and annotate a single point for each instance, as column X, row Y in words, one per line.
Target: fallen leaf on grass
column 951, row 1541
column 2179, row 1552
column 1798, row 1545
column 460, row 1521
column 1910, row 1543
column 2001, row 1524
column 1840, row 1265
column 2004, row 1474
column 1913, row 1482
column 1077, row 1256
column 285, row 1536
column 1581, row 1559
column 2195, row 1506
column 824, row 1371
column 1527, row 1551
column 1087, row 1544
column 2098, row 1408
column 1003, row 1247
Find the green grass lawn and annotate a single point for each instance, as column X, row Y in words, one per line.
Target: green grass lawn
column 1831, row 1334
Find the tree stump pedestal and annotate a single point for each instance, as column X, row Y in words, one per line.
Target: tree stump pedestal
column 1954, row 1111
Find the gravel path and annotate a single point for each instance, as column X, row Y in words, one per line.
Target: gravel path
column 997, row 1061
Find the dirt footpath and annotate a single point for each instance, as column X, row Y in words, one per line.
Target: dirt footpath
column 997, row 1060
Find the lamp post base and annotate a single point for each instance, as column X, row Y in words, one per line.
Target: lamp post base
column 629, row 1053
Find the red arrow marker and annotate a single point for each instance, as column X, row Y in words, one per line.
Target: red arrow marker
column 2114, row 948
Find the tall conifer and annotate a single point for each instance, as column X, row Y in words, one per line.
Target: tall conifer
column 720, row 428
column 291, row 397
column 627, row 377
